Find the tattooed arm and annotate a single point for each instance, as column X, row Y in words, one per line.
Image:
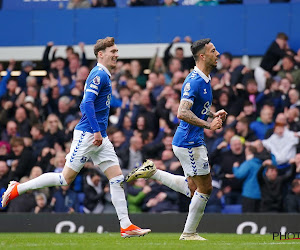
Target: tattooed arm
column 185, row 114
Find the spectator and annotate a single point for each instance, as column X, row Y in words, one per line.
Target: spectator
column 94, row 190
column 136, row 73
column 103, row 3
column 65, row 201
column 39, row 141
column 23, row 204
column 160, row 199
column 59, row 161
column 10, row 131
column 4, row 175
column 132, row 156
column 293, row 198
column 4, row 150
column 247, row 172
column 271, row 186
column 186, row 63
column 54, row 130
column 136, row 194
column 282, row 144
column 27, row 67
column 276, row 51
column 294, row 98
column 78, row 4
column 261, row 126
column 293, row 119
column 41, row 204
column 23, row 159
column 243, row 130
column 4, row 80
column 222, row 163
column 23, row 121
column 289, row 71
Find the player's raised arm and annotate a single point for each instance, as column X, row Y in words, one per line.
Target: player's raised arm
column 185, row 114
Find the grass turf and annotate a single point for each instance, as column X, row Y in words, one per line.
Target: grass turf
column 159, row 241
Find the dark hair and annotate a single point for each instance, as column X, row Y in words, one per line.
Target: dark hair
column 39, row 127
column 271, row 167
column 283, row 36
column 227, row 55
column 179, row 48
column 244, row 120
column 198, row 46
column 93, row 172
column 102, row 44
column 295, row 183
column 16, row 141
column 252, row 149
column 290, row 58
column 70, row 48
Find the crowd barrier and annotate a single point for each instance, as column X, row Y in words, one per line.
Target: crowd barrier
column 211, row 223
column 240, row 29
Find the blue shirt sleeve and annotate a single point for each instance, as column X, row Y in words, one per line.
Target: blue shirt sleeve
column 88, row 103
column 189, row 91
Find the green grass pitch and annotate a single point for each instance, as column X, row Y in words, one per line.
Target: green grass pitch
column 159, row 241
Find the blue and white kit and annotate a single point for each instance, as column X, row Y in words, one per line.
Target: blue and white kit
column 94, row 107
column 188, row 142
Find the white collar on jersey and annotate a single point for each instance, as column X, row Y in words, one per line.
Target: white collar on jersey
column 104, row 68
column 206, row 79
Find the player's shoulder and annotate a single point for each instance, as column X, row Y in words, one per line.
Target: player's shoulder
column 98, row 75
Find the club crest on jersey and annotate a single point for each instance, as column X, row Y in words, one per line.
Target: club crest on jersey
column 187, row 87
column 96, row 80
column 186, row 94
column 204, row 91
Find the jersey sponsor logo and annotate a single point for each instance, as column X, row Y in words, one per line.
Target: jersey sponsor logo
column 204, row 91
column 187, row 87
column 94, row 86
column 96, row 80
column 206, row 108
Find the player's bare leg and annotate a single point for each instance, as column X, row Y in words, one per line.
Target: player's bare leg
column 197, row 206
column 116, row 179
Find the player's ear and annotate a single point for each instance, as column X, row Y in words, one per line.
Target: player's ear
column 100, row 54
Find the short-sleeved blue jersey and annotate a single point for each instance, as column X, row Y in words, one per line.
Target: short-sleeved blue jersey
column 96, row 101
column 197, row 90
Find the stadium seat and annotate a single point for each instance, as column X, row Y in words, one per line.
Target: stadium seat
column 232, row 209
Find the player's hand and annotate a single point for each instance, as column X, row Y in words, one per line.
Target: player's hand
column 222, row 114
column 216, row 124
column 97, row 139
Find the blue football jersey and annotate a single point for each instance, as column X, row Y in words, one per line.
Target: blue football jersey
column 197, row 90
column 96, row 101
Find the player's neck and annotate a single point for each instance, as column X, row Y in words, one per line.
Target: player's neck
column 204, row 69
column 106, row 66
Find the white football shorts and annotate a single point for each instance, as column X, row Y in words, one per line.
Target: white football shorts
column 194, row 161
column 82, row 149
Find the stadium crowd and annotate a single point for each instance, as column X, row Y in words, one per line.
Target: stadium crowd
column 254, row 158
